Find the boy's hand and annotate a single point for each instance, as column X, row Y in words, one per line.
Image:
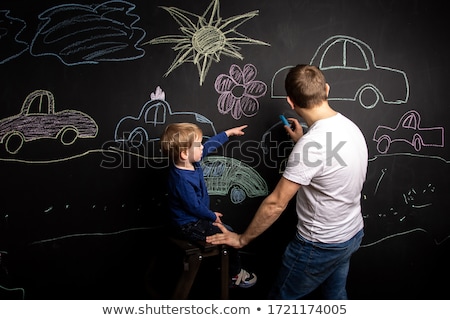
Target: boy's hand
column 218, row 215
column 237, row 131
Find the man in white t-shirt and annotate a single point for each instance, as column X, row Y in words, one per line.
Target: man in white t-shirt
column 326, row 171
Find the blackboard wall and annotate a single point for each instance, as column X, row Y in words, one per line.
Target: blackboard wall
column 83, row 200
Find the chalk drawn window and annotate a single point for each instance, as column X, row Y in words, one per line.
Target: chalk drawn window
column 156, row 115
column 344, row 54
column 333, row 57
column 39, row 105
column 410, row 122
column 355, row 57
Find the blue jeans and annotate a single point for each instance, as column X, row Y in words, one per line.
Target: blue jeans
column 198, row 231
column 308, row 265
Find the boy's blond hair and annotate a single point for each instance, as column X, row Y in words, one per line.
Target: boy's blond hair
column 178, row 137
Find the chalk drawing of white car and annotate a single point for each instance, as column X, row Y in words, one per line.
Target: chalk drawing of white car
column 38, row 120
column 225, row 175
column 350, row 68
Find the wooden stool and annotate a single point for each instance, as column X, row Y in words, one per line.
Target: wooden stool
column 194, row 253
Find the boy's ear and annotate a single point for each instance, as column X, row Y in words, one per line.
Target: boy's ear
column 184, row 155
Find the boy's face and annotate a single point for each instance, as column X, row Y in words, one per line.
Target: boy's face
column 196, row 150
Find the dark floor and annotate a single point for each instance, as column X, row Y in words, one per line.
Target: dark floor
column 104, row 268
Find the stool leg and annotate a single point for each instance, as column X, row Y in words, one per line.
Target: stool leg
column 225, row 277
column 190, row 269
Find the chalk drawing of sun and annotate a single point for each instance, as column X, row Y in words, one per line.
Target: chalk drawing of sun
column 205, row 38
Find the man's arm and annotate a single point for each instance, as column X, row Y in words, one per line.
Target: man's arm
column 268, row 212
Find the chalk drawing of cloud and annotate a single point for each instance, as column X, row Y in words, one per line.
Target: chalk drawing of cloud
column 10, row 29
column 81, row 34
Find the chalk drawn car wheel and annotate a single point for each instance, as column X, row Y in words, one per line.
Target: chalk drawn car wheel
column 417, row 142
column 14, row 142
column 383, row 144
column 68, row 135
column 137, row 138
column 368, row 97
column 237, row 195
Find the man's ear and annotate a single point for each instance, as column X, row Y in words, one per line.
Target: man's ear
column 290, row 102
column 327, row 86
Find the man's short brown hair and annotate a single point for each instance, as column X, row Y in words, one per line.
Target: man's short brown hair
column 306, row 86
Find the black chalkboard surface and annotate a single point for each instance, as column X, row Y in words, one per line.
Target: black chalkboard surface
column 88, row 87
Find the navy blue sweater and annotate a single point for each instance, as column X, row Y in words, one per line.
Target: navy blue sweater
column 187, row 193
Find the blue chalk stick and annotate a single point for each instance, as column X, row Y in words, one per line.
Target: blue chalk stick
column 285, row 122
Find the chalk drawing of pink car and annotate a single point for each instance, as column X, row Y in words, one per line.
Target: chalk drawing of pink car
column 39, row 120
column 408, row 130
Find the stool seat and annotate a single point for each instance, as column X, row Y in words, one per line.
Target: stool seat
column 193, row 254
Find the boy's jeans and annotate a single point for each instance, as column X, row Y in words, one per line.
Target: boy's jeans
column 197, row 231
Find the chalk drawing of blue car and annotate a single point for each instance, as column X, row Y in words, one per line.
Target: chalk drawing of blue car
column 408, row 130
column 148, row 126
column 38, row 120
column 350, row 68
column 225, row 175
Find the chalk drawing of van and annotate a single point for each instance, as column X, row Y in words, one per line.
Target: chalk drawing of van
column 38, row 120
column 225, row 175
column 408, row 130
column 148, row 126
column 349, row 67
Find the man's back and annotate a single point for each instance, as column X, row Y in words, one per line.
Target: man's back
column 330, row 162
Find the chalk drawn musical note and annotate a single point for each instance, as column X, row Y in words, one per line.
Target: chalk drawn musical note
column 349, row 67
column 206, row 38
column 10, row 29
column 39, row 120
column 225, row 175
column 81, row 34
column 408, row 130
column 239, row 91
column 148, row 126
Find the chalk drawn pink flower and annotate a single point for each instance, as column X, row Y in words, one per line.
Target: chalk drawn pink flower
column 239, row 91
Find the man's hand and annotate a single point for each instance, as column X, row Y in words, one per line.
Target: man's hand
column 297, row 133
column 226, row 237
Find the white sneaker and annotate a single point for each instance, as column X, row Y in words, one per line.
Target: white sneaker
column 244, row 279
